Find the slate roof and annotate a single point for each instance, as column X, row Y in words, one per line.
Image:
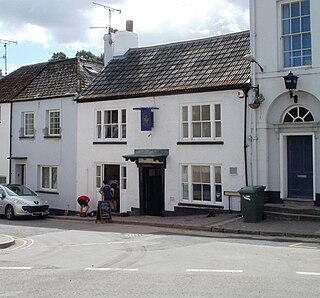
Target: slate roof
column 12, row 84
column 47, row 80
column 213, row 63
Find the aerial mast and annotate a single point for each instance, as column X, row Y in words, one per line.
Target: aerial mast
column 111, row 9
column 108, row 42
column 6, row 42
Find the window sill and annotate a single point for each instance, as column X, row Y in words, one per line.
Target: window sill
column 201, row 204
column 27, row 137
column 52, row 137
column 200, row 143
column 111, row 143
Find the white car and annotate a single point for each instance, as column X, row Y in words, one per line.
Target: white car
column 19, row 200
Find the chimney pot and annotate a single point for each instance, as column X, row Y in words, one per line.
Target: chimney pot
column 129, row 26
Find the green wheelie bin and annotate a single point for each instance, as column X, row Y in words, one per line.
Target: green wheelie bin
column 252, row 201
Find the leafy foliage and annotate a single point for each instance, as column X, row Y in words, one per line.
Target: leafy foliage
column 58, row 56
column 80, row 54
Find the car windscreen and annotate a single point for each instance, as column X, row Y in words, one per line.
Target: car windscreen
column 10, row 192
column 22, row 190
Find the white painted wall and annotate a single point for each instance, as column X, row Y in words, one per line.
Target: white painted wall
column 164, row 135
column 46, row 151
column 5, row 139
column 266, row 45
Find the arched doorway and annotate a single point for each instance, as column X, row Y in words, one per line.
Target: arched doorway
column 290, row 139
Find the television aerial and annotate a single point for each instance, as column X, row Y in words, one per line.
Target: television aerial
column 111, row 10
column 6, row 42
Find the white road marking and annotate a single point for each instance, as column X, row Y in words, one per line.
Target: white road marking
column 112, row 269
column 15, row 268
column 214, row 270
column 24, row 244
column 300, row 245
column 309, row 273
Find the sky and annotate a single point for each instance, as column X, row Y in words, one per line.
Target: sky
column 43, row 27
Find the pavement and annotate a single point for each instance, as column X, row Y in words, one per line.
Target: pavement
column 232, row 224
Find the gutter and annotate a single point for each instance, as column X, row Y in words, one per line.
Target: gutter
column 139, row 94
column 10, row 141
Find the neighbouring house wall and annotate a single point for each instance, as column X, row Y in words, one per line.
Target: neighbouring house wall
column 266, row 44
column 5, row 140
column 43, row 151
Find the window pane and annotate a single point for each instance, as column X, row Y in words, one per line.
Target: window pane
column 184, row 173
column 287, row 59
column 45, row 177
column 185, row 133
column 305, row 24
column 206, row 112
column 305, row 8
column 184, row 113
column 196, row 130
column 99, row 131
column 98, row 117
column 196, row 174
column 185, row 191
column 107, row 132
column 124, row 131
column 206, row 193
column 218, row 130
column 205, row 174
column 296, row 42
column 218, row 193
column 114, row 116
column 306, row 40
column 286, row 27
column 196, row 192
column 285, row 11
column 107, row 117
column 296, row 61
column 124, row 116
column 196, row 113
column 295, row 25
column 287, row 43
column 295, row 9
column 114, row 129
column 217, row 173
column 217, row 112
column 206, row 129
column 98, row 171
column 54, row 178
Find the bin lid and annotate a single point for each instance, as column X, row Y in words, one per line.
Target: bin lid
column 251, row 189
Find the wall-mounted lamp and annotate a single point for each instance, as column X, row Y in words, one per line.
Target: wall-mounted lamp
column 291, row 81
column 251, row 59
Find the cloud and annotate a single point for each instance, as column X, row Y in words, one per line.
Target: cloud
column 67, row 22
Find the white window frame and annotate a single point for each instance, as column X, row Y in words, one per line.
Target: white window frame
column 215, row 122
column 102, row 126
column 28, row 131
column 52, row 185
column 282, row 50
column 54, row 130
column 123, row 179
column 186, row 184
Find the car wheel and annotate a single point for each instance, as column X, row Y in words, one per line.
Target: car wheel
column 9, row 212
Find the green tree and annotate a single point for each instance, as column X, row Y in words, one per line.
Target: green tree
column 88, row 56
column 58, row 56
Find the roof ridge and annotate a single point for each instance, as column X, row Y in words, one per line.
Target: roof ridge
column 192, row 40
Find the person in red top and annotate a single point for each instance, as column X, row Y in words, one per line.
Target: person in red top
column 83, row 201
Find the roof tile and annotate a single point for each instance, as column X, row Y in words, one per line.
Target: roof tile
column 215, row 62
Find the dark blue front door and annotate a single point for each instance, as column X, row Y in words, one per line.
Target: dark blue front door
column 300, row 169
